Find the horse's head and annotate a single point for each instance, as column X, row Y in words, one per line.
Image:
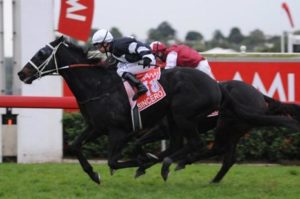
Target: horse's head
column 50, row 60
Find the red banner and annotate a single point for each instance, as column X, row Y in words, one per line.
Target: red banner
column 76, row 18
column 287, row 10
column 280, row 80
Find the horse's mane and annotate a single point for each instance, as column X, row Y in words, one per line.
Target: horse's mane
column 92, row 56
column 76, row 48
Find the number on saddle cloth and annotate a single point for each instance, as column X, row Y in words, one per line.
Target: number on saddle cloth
column 155, row 94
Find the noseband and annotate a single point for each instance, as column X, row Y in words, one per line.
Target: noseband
column 40, row 69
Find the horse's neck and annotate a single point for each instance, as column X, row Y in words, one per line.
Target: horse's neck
column 90, row 83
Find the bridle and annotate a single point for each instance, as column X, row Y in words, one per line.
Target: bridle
column 40, row 69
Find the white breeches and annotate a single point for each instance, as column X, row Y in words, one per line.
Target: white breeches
column 204, row 67
column 133, row 68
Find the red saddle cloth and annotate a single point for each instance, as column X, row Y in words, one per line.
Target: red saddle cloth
column 155, row 90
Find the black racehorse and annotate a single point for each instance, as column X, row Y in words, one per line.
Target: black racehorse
column 228, row 132
column 104, row 105
column 191, row 96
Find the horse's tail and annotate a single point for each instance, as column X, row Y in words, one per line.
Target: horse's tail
column 254, row 117
column 276, row 107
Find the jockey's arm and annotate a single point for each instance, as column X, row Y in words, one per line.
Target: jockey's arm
column 142, row 50
column 171, row 60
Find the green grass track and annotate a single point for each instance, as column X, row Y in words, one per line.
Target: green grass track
column 67, row 180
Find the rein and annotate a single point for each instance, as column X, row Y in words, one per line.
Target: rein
column 79, row 66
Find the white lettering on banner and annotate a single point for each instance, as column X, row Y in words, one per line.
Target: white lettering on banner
column 154, row 85
column 276, row 85
column 237, row 76
column 153, row 75
column 146, row 84
column 291, row 87
column 155, row 90
column 75, row 6
column 150, row 100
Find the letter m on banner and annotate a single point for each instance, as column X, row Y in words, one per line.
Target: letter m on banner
column 76, row 18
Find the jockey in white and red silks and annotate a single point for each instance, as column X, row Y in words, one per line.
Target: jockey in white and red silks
column 129, row 53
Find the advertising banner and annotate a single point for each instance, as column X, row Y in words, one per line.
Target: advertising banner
column 280, row 80
column 76, row 18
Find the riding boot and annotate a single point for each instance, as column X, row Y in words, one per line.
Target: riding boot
column 141, row 88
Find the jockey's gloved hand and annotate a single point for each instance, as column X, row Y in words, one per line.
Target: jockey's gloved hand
column 146, row 62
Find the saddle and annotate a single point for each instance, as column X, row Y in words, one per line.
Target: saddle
column 155, row 94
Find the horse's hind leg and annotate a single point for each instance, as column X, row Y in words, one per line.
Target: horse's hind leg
column 228, row 161
column 233, row 134
column 86, row 135
column 186, row 121
column 224, row 138
column 146, row 160
column 176, row 143
column 193, row 145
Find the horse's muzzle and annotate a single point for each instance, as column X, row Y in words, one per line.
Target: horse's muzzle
column 23, row 77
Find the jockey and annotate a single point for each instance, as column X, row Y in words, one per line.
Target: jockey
column 181, row 56
column 129, row 53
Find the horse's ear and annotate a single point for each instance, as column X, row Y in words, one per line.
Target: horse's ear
column 61, row 39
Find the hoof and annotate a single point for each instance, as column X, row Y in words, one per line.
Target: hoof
column 166, row 168
column 214, row 181
column 139, row 172
column 180, row 166
column 96, row 178
column 112, row 171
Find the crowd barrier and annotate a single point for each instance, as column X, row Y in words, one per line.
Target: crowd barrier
column 14, row 101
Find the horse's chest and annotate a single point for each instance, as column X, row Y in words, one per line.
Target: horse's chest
column 109, row 113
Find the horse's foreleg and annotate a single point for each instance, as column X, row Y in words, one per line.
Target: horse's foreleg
column 153, row 135
column 76, row 148
column 117, row 140
column 142, row 167
column 143, row 159
column 147, row 160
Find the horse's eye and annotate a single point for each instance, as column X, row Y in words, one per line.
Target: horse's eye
column 40, row 54
column 44, row 52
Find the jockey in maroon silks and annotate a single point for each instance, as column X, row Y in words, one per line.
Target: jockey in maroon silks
column 179, row 56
